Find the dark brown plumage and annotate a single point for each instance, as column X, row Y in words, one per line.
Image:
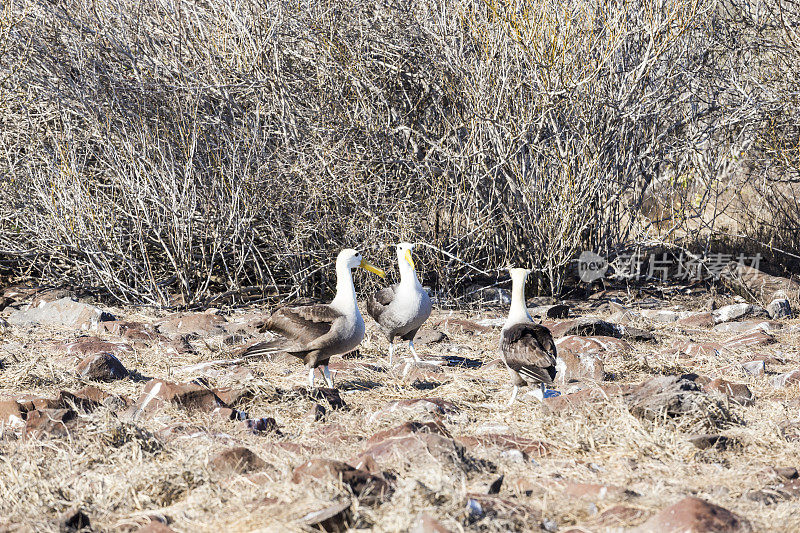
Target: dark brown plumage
column 307, row 330
column 530, row 353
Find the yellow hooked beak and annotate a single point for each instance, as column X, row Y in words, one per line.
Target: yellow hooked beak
column 371, row 268
column 408, row 258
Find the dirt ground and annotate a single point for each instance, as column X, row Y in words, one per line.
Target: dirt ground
column 596, row 466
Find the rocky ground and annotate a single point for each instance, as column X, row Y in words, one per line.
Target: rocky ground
column 679, row 411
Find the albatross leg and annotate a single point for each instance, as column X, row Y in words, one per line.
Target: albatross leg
column 327, row 374
column 391, row 350
column 311, row 377
column 513, row 395
column 413, row 351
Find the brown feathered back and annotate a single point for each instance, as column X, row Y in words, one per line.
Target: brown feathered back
column 529, row 350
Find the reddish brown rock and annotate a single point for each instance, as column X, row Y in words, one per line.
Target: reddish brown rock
column 94, row 345
column 408, row 428
column 597, row 345
column 529, row 447
column 416, row 407
column 155, row 526
column 460, row 325
column 584, row 398
column 620, row 516
column 698, row 320
column 50, row 422
column 750, row 340
column 11, row 413
column 695, row 349
column 709, row 440
column 694, row 515
column 362, row 483
column 188, row 395
column 737, row 392
column 136, row 332
column 193, row 324
column 413, row 372
column 572, row 367
column 416, row 448
column 238, row 459
column 748, row 326
column 425, row 523
column 596, row 491
column 334, row 518
column 102, row 367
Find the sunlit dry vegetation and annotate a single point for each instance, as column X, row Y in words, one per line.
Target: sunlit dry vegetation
column 158, row 147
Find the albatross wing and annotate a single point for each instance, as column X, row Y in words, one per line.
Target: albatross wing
column 380, row 301
column 304, row 324
column 529, row 350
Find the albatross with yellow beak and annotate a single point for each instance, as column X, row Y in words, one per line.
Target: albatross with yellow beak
column 401, row 309
column 315, row 333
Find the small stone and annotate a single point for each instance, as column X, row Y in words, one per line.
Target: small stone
column 788, row 472
column 155, row 526
column 425, row 523
column 779, row 308
column 750, row 340
column 754, row 368
column 697, row 320
column 587, row 327
column 64, row 312
column 429, row 336
column 571, row 367
column 238, row 459
column 788, row 379
column 102, row 367
column 334, row 518
column 529, row 447
column 737, row 392
column 733, row 312
column 52, row 422
column 316, row 413
column 703, row 442
column 192, row 324
column 695, row 515
column 74, row 520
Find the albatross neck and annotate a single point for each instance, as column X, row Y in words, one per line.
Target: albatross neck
column 408, row 276
column 345, row 299
column 519, row 310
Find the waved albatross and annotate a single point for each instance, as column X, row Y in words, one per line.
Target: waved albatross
column 528, row 349
column 315, row 333
column 401, row 309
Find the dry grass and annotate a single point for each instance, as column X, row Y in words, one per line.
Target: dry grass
column 122, row 473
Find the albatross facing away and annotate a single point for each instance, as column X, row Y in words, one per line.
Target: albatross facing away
column 315, row 333
column 401, row 309
column 528, row 349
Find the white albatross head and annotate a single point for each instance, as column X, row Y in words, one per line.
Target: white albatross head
column 350, row 259
column 404, row 250
column 519, row 274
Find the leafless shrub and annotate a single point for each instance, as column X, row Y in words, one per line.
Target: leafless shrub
column 229, row 148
